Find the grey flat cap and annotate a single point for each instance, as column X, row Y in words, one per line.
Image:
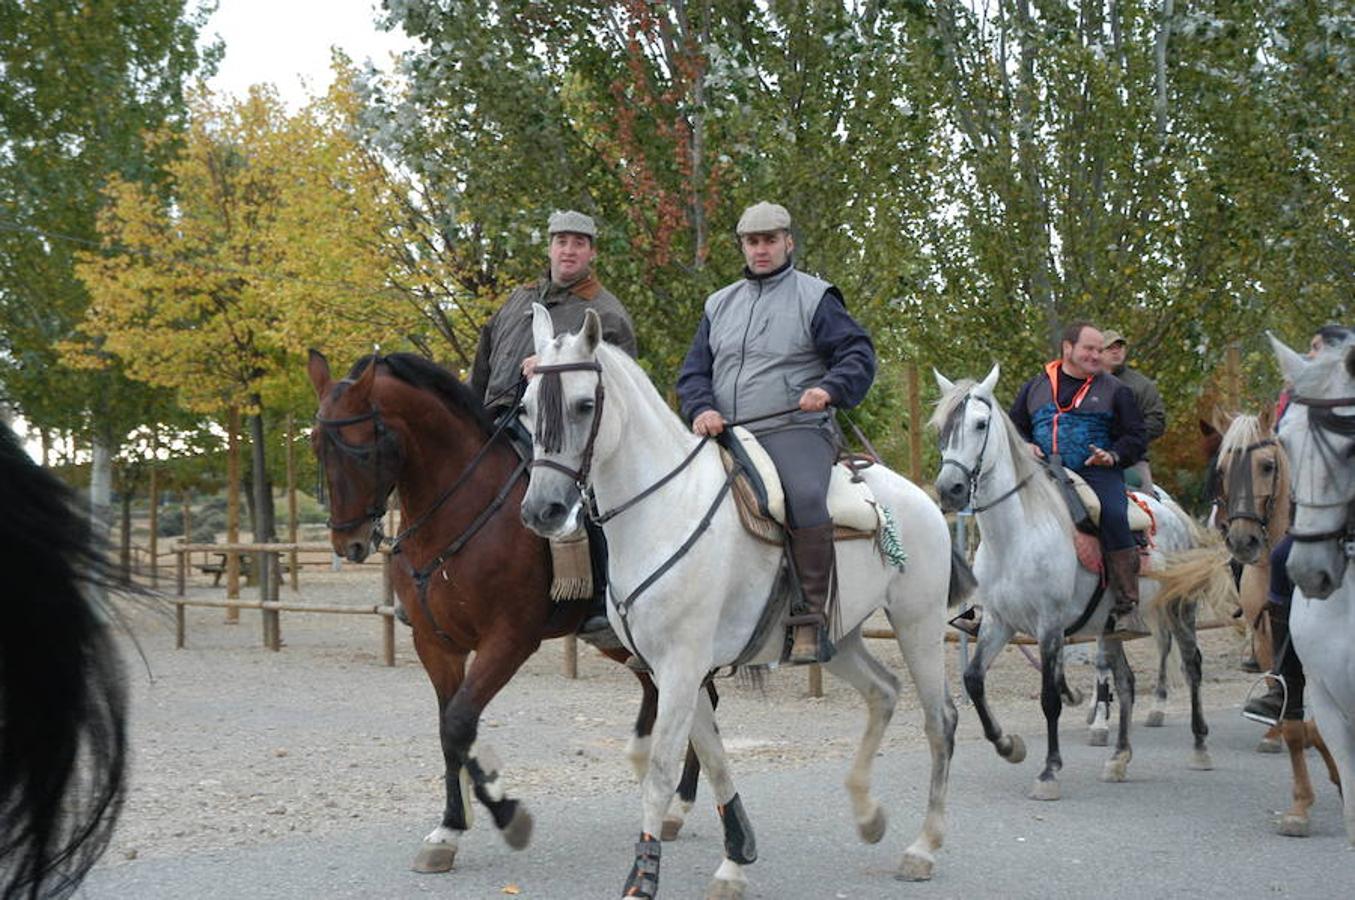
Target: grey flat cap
column 572, row 222
column 763, row 217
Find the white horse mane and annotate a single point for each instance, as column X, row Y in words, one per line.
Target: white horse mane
column 616, row 362
column 1040, row 494
column 1242, row 432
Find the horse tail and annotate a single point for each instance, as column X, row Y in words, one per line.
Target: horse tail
column 1200, row 574
column 962, row 580
column 63, row 704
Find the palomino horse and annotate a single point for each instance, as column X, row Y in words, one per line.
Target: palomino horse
column 1029, row 576
column 63, row 701
column 1254, row 506
column 1318, row 434
column 689, row 584
column 470, row 577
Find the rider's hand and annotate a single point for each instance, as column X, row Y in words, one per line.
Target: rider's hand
column 1035, row 451
column 1099, row 457
column 816, row 399
column 529, row 366
column 709, row 423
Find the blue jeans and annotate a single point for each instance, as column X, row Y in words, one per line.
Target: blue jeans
column 1108, row 483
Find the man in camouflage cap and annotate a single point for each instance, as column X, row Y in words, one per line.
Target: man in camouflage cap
column 774, row 340
column 506, row 354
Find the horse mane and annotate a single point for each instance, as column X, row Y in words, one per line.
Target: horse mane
column 63, row 703
column 424, row 374
column 1242, row 432
column 616, row 361
column 1041, row 494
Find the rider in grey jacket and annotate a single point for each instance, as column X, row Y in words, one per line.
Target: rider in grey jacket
column 781, row 339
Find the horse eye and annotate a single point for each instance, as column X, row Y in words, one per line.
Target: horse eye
column 981, row 425
column 1267, row 467
column 584, row 407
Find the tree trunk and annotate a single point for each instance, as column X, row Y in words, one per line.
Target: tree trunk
column 264, row 531
column 155, row 508
column 292, row 518
column 233, row 510
column 125, row 539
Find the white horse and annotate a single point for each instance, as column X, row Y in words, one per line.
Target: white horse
column 1318, row 434
column 689, row 584
column 1029, row 577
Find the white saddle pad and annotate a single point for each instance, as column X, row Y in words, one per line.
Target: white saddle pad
column 1138, row 519
column 850, row 504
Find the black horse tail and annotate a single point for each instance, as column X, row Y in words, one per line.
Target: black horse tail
column 962, row 580
column 63, row 702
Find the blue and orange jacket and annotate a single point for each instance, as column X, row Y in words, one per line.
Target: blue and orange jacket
column 1067, row 415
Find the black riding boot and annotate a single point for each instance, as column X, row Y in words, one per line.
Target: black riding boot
column 811, row 551
column 1122, row 566
column 1270, row 706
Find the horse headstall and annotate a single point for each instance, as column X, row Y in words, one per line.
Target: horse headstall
column 1239, row 491
column 381, row 456
column 550, row 417
column 1323, row 420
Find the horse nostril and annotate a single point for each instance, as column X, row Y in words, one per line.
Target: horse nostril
column 956, row 489
column 553, row 512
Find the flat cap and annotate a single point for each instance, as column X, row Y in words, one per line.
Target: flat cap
column 1111, row 336
column 573, row 222
column 763, row 217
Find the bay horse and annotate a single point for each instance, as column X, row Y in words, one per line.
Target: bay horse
column 63, row 700
column 1030, row 578
column 1253, row 493
column 689, row 606
column 470, row 577
column 1318, row 436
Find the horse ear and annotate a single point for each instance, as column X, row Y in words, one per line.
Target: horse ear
column 592, row 330
column 1267, row 420
column 1221, row 420
column 990, row 382
column 543, row 329
column 944, row 383
column 1291, row 363
column 1207, row 429
column 361, row 391
column 318, row 369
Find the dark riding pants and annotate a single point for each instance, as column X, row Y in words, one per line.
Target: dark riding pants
column 804, row 459
column 1281, row 587
column 1108, row 483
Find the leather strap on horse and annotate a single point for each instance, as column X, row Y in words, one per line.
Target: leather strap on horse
column 1086, row 615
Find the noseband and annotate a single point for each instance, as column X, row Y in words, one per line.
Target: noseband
column 374, row 452
column 551, row 413
column 1323, row 421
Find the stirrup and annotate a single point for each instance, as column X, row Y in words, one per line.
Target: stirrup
column 823, row 650
column 1250, row 707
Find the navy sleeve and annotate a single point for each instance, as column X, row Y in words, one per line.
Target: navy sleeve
column 1128, row 433
column 1019, row 414
column 695, row 385
column 845, row 348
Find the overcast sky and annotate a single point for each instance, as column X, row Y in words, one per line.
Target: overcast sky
column 287, row 42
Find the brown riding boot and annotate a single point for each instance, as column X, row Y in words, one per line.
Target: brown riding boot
column 811, row 551
column 1123, row 568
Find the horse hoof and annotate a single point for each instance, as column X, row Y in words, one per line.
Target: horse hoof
column 873, row 830
column 724, row 889
column 916, row 866
column 1156, row 719
column 1098, row 737
column 1116, row 770
column 518, row 832
column 1016, row 751
column 1074, row 697
column 672, row 825
column 1294, row 826
column 1201, row 761
column 434, row 858
column 1270, row 745
column 1044, row 790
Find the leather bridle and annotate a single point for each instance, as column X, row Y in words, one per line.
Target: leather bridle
column 1239, row 493
column 1322, row 423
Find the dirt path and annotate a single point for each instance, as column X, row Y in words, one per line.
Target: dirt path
column 235, row 745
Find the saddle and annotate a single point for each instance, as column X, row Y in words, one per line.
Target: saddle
column 761, row 501
column 1088, row 546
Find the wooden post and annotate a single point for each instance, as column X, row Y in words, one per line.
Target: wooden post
column 233, row 510
column 387, row 599
column 571, row 656
column 181, row 583
column 815, row 680
column 915, row 425
column 274, row 568
column 291, row 498
column 187, row 519
column 155, row 508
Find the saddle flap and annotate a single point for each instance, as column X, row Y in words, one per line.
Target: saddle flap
column 850, row 504
column 1139, row 520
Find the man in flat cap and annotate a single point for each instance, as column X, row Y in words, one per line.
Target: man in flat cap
column 567, row 289
column 1138, row 476
column 506, row 354
column 780, row 339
